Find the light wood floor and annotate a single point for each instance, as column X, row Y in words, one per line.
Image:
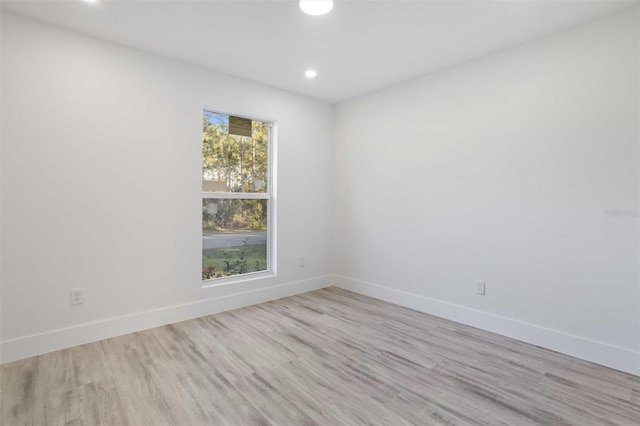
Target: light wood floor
column 329, row 357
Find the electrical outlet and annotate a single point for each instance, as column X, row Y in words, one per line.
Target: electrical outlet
column 480, row 287
column 77, row 296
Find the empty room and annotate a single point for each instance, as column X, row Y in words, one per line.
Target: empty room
column 317, row 212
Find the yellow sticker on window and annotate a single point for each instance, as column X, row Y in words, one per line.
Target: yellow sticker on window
column 239, row 126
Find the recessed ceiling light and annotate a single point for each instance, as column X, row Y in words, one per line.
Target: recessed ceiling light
column 310, row 74
column 316, row 7
column 90, row 1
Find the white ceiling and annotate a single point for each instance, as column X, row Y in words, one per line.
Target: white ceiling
column 359, row 47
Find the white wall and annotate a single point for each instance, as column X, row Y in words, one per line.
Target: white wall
column 101, row 159
column 501, row 169
column 498, row 169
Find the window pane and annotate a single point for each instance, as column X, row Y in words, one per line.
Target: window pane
column 233, row 163
column 234, row 237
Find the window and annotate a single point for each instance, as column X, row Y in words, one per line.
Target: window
column 236, row 196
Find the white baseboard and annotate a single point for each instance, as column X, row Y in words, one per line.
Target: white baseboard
column 37, row 344
column 600, row 353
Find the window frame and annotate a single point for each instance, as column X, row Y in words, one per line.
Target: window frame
column 269, row 195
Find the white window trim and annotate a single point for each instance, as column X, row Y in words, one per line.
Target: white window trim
column 235, row 195
column 271, row 271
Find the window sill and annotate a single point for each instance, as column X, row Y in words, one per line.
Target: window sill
column 251, row 276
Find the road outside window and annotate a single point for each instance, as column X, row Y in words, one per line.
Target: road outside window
column 236, row 199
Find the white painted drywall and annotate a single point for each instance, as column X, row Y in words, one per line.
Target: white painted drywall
column 501, row 169
column 101, row 158
column 498, row 169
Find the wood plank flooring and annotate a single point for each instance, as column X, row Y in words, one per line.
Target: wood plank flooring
column 329, row 357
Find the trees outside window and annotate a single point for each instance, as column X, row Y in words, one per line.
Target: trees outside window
column 236, row 198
